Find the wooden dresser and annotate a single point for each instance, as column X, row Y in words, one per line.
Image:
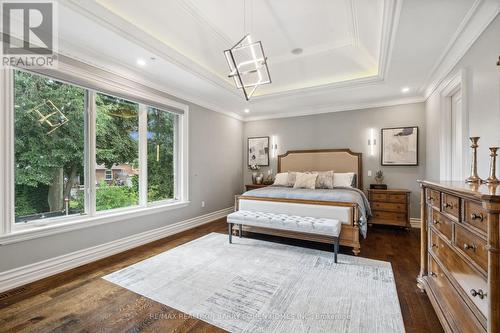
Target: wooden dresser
column 460, row 254
column 391, row 207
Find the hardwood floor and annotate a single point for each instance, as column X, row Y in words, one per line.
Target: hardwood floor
column 80, row 301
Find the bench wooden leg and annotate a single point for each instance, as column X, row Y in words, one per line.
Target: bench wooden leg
column 230, row 233
column 241, row 231
column 336, row 248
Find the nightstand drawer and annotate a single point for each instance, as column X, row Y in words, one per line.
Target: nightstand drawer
column 389, row 207
column 381, row 215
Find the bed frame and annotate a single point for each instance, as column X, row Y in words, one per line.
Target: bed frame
column 339, row 160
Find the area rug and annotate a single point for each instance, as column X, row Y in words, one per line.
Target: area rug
column 258, row 286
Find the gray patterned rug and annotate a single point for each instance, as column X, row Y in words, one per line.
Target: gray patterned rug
column 258, row 286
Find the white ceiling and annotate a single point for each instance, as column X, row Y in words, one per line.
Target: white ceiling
column 356, row 53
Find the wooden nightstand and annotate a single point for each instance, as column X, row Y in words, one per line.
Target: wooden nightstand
column 254, row 186
column 390, row 207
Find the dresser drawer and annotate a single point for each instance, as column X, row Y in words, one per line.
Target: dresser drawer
column 451, row 205
column 433, row 198
column 442, row 223
column 471, row 282
column 389, row 207
column 475, row 216
column 458, row 314
column 472, row 245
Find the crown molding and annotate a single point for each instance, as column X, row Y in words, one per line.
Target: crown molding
column 474, row 23
column 315, row 110
column 132, row 74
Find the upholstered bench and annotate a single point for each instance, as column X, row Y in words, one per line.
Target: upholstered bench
column 312, row 225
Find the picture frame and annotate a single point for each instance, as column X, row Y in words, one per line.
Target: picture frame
column 399, row 146
column 258, row 151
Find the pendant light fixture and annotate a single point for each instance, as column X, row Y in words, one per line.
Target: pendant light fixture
column 247, row 62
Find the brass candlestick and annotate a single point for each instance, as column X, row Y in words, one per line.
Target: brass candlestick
column 474, row 178
column 492, row 179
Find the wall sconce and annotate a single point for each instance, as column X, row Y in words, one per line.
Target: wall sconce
column 274, row 146
column 372, row 142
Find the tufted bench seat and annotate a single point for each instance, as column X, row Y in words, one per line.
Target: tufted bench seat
column 312, row 225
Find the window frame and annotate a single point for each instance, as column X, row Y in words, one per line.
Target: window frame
column 91, row 79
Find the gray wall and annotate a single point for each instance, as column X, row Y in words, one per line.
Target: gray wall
column 215, row 176
column 483, row 96
column 349, row 129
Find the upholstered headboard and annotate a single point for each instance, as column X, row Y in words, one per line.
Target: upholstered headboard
column 338, row 160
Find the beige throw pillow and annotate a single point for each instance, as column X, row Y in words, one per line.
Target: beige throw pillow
column 305, row 180
column 281, row 179
column 324, row 180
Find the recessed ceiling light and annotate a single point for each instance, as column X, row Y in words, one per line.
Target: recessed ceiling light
column 247, row 111
column 141, row 62
column 297, row 51
column 404, row 90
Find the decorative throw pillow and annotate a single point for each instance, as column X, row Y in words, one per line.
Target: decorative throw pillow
column 343, row 179
column 324, row 180
column 291, row 178
column 281, row 179
column 305, row 180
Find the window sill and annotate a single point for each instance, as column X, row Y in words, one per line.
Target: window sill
column 23, row 233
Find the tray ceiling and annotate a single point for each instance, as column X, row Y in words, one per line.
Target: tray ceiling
column 340, row 40
column 356, row 53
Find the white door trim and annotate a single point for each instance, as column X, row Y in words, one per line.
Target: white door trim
column 446, row 90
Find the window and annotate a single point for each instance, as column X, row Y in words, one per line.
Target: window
column 117, row 145
column 49, row 148
column 161, row 137
column 77, row 154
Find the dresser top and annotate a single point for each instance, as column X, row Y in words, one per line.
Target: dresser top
column 479, row 191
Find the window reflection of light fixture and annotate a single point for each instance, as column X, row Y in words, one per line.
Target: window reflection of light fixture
column 247, row 64
column 372, row 142
column 50, row 115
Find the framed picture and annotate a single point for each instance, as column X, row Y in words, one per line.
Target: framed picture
column 399, row 146
column 258, row 151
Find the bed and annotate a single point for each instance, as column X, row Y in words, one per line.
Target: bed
column 348, row 204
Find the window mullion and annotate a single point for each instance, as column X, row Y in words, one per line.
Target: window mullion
column 143, row 155
column 7, row 151
column 90, row 156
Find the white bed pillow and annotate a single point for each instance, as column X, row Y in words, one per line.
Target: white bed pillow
column 291, row 178
column 344, row 179
column 305, row 180
column 281, row 179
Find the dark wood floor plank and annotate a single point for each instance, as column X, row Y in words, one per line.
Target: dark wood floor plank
column 80, row 301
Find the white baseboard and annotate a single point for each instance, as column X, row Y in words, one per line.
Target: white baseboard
column 415, row 223
column 26, row 274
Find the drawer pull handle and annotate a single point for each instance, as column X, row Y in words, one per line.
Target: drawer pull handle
column 470, row 246
column 436, row 222
column 434, row 245
column 434, row 275
column 448, row 205
column 480, row 293
column 430, row 198
column 475, row 216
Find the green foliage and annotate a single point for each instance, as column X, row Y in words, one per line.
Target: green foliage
column 160, row 171
column 39, row 154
